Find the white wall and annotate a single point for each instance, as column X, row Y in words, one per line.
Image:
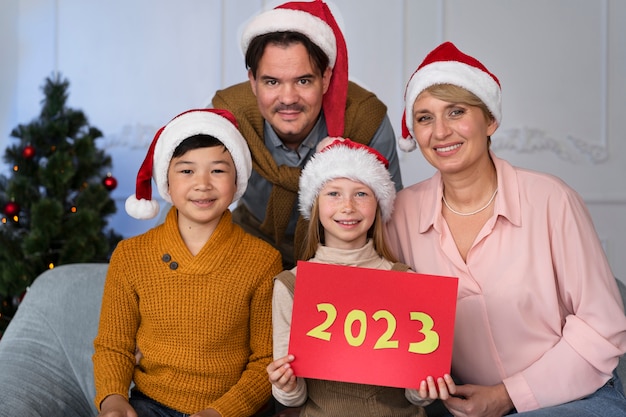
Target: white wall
column 134, row 65
column 9, row 44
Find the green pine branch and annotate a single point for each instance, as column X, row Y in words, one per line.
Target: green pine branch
column 63, row 204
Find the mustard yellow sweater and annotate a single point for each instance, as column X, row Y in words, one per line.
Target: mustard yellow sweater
column 203, row 323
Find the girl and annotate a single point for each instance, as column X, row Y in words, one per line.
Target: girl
column 347, row 194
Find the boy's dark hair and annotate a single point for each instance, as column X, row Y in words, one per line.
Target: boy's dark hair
column 195, row 142
column 257, row 47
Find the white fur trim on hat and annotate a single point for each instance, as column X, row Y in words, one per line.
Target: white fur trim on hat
column 407, row 144
column 341, row 161
column 456, row 73
column 283, row 20
column 141, row 209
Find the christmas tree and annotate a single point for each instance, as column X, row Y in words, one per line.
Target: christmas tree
column 56, row 199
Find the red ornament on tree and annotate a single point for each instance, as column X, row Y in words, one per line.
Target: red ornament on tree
column 109, row 182
column 11, row 209
column 28, row 152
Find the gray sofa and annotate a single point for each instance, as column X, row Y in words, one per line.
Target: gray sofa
column 45, row 354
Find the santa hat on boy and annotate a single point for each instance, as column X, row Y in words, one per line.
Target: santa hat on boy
column 314, row 20
column 220, row 124
column 446, row 64
column 343, row 158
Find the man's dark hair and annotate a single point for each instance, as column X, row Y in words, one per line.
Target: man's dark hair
column 195, row 142
column 257, row 47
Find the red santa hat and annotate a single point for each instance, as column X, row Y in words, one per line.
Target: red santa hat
column 343, row 158
column 220, row 124
column 446, row 64
column 314, row 20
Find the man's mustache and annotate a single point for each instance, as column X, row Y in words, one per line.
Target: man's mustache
column 288, row 107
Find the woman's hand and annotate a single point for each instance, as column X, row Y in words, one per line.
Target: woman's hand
column 479, row 401
column 281, row 375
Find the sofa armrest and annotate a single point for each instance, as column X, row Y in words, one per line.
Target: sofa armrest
column 45, row 353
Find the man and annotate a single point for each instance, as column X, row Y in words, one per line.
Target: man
column 298, row 93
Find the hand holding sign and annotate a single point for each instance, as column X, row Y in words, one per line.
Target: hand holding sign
column 370, row 326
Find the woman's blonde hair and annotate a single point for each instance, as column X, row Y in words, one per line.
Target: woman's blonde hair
column 455, row 94
column 315, row 235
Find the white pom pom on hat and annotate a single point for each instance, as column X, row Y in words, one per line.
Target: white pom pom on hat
column 218, row 123
column 314, row 20
column 343, row 158
column 446, row 64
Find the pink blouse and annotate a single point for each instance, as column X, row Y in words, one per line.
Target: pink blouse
column 538, row 306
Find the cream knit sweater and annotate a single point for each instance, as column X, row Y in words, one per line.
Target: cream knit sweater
column 282, row 306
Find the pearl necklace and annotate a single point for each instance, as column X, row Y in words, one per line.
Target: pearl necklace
column 473, row 212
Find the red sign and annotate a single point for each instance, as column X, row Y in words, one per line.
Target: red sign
column 369, row 326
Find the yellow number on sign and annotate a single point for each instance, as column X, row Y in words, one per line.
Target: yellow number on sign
column 355, row 315
column 320, row 331
column 426, row 346
column 384, row 341
column 431, row 338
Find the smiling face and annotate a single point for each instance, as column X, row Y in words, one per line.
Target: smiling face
column 453, row 137
column 289, row 91
column 202, row 184
column 347, row 210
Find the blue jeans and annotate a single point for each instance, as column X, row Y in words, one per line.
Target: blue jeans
column 608, row 401
column 147, row 407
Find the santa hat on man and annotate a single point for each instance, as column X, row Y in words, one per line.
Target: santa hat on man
column 314, row 20
column 343, row 158
column 446, row 64
column 220, row 124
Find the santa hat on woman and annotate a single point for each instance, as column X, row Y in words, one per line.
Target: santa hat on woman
column 343, row 158
column 220, row 124
column 446, row 64
column 314, row 20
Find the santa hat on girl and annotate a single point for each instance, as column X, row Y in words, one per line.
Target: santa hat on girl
column 220, row 124
column 314, row 20
column 446, row 64
column 343, row 158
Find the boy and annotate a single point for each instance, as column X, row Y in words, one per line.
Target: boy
column 193, row 295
